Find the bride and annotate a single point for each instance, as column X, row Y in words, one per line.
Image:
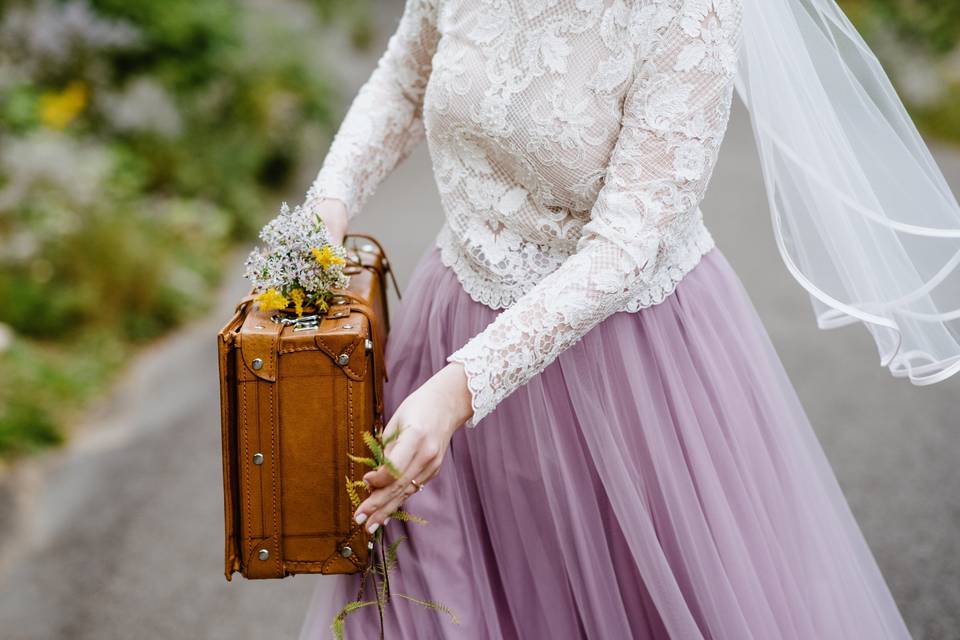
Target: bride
column 635, row 462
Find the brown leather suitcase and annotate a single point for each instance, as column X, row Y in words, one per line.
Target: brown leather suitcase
column 295, row 398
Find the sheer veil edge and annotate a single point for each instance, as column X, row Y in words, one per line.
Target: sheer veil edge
column 862, row 216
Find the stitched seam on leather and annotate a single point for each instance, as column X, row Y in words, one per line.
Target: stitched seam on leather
column 298, row 564
column 273, row 353
column 350, row 449
column 349, row 352
column 326, row 563
column 275, row 454
column 326, row 349
column 254, row 543
column 337, row 505
column 292, row 349
column 245, row 469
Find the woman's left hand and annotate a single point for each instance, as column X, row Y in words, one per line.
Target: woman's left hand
column 427, row 419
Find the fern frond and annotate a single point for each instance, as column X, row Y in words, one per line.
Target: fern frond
column 392, row 552
column 373, row 445
column 352, row 486
column 406, row 516
column 432, row 604
column 370, row 462
column 347, row 609
column 352, row 492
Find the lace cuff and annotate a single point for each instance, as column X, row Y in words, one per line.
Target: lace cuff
column 478, row 382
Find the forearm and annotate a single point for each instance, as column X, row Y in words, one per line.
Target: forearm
column 524, row 339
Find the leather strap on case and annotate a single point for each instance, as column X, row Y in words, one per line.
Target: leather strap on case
column 259, row 445
column 379, row 366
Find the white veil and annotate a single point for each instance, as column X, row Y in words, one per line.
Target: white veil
column 862, row 215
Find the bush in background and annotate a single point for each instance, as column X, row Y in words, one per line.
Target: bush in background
column 138, row 141
column 918, row 42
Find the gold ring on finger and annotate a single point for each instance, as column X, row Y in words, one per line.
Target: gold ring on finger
column 418, row 485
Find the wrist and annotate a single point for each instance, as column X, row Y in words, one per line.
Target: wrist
column 332, row 211
column 453, row 395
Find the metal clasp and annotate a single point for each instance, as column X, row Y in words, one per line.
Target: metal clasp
column 303, row 323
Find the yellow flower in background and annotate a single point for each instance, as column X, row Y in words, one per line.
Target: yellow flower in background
column 271, row 300
column 326, row 257
column 298, row 297
column 58, row 110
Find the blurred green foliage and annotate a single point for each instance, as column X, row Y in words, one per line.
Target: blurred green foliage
column 138, row 141
column 931, row 24
column 918, row 38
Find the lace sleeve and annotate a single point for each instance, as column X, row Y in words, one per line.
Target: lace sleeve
column 384, row 122
column 675, row 115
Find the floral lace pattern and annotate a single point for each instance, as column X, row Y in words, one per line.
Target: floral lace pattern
column 572, row 143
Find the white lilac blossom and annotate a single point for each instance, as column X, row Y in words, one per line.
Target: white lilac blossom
column 296, row 255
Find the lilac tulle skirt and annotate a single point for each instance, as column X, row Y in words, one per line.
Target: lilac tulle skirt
column 658, row 480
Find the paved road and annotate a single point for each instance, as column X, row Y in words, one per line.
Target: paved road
column 118, row 535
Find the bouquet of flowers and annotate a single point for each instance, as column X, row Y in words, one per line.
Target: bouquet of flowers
column 298, row 266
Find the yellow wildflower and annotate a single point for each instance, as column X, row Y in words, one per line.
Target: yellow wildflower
column 271, row 300
column 298, row 296
column 326, row 257
column 58, row 110
column 322, row 304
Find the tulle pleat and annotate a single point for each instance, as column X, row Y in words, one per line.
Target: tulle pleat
column 658, row 480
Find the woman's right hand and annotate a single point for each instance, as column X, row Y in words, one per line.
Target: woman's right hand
column 333, row 212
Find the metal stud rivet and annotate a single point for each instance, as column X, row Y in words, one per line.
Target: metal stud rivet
column 347, row 326
column 343, row 359
column 258, row 458
column 257, row 364
column 259, row 326
column 346, row 551
column 368, row 343
column 263, row 554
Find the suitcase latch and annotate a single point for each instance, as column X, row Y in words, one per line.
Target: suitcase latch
column 303, row 323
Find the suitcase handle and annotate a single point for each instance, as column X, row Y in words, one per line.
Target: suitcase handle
column 387, row 266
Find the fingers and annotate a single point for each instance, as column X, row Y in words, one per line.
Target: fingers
column 424, row 463
column 422, row 468
column 384, row 501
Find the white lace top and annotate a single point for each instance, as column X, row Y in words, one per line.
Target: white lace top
column 572, row 142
